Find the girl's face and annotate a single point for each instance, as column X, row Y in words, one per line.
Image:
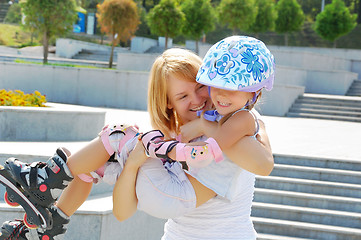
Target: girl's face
column 186, row 98
column 227, row 101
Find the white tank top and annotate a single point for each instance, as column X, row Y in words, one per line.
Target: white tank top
column 219, row 218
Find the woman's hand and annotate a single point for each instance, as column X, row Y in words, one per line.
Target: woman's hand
column 137, row 157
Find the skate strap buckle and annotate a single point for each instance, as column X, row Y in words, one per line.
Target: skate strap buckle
column 53, row 166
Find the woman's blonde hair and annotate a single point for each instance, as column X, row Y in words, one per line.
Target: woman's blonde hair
column 179, row 63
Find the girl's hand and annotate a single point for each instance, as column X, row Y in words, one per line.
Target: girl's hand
column 191, row 130
column 137, row 157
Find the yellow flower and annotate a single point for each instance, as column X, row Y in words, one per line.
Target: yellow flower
column 18, row 98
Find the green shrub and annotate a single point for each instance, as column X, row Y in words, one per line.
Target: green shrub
column 14, row 14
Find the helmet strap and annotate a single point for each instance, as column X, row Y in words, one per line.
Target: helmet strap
column 255, row 95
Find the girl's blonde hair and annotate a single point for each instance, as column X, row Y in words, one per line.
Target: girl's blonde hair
column 179, row 63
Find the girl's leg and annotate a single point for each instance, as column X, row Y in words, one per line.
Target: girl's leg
column 74, row 196
column 89, row 158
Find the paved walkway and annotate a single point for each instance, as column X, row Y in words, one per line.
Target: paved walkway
column 294, row 136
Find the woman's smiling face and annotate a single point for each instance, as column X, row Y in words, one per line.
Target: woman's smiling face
column 187, row 97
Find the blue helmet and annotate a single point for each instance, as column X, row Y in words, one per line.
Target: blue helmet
column 238, row 63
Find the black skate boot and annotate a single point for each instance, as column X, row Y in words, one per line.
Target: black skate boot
column 17, row 229
column 35, row 186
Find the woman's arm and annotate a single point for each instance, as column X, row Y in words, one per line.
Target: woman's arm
column 124, row 195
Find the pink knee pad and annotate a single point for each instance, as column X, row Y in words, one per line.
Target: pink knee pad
column 199, row 156
column 95, row 176
column 127, row 133
column 85, row 178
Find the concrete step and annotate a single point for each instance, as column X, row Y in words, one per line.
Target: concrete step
column 355, row 87
column 330, row 100
column 309, row 186
column 356, row 83
column 315, row 110
column 310, row 200
column 305, row 230
column 317, row 162
column 304, row 214
column 97, row 52
column 263, row 236
column 320, row 174
column 95, row 221
column 325, row 107
column 99, row 55
column 354, row 93
column 323, row 116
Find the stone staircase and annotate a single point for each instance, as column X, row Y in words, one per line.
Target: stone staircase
column 304, row 198
column 309, row 198
column 332, row 107
column 355, row 89
column 95, row 55
column 4, row 7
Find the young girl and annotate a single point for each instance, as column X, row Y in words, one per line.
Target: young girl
column 97, row 152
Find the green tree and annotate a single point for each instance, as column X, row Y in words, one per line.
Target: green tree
column 199, row 18
column 119, row 19
column 266, row 17
column 290, row 17
column 166, row 19
column 237, row 14
column 14, row 14
column 49, row 18
column 335, row 21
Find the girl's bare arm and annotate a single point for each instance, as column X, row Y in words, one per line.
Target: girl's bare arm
column 248, row 153
column 253, row 155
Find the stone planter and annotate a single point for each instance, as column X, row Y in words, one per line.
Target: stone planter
column 57, row 122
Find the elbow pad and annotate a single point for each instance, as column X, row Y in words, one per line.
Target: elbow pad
column 199, row 156
column 164, row 191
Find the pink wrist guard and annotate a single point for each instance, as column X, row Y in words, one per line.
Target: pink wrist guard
column 155, row 146
column 199, row 156
column 151, row 137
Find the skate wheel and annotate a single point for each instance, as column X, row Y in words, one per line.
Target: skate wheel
column 29, row 225
column 45, row 237
column 9, row 201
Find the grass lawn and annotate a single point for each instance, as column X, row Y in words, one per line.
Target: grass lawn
column 14, row 36
column 61, row 64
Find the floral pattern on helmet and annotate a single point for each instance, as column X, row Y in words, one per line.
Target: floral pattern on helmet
column 224, row 65
column 238, row 63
